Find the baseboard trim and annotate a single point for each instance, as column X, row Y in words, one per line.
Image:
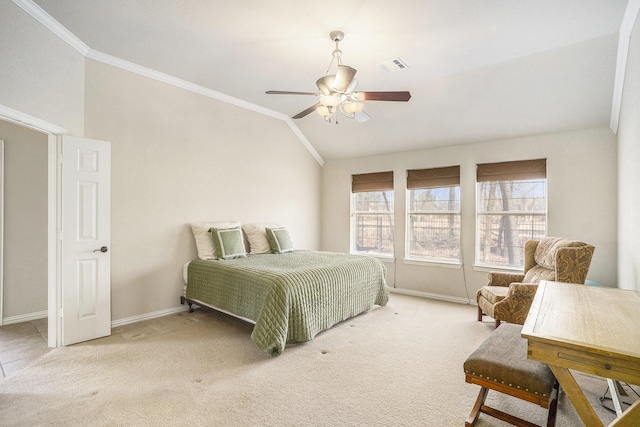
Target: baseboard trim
column 430, row 295
column 24, row 318
column 148, row 316
column 161, row 313
column 114, row 324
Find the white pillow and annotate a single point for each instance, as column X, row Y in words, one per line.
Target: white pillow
column 204, row 240
column 257, row 237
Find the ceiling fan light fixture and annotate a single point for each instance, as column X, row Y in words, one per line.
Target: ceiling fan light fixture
column 325, row 84
column 343, row 78
column 352, row 86
column 329, row 100
column 352, row 107
column 324, row 111
column 336, row 92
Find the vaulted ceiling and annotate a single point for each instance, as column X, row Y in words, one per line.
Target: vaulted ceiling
column 478, row 70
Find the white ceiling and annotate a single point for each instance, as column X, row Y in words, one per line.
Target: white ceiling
column 479, row 70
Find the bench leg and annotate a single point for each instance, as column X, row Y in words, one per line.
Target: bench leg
column 479, row 407
column 475, row 411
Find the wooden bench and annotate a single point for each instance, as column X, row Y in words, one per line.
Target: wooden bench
column 500, row 363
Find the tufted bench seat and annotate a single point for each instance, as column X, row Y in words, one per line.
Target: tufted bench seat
column 500, row 363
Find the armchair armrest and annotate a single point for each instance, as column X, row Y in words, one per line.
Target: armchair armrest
column 530, row 247
column 515, row 307
column 504, row 279
column 572, row 263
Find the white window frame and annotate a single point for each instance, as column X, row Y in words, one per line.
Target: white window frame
column 354, row 230
column 535, row 234
column 408, row 229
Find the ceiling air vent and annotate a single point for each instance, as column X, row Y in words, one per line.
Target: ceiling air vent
column 392, row 65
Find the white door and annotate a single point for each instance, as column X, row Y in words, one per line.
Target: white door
column 86, row 255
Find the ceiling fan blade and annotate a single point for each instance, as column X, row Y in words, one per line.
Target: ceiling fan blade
column 344, row 75
column 325, row 84
column 307, row 111
column 384, row 96
column 286, row 92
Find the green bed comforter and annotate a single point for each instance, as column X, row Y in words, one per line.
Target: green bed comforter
column 291, row 296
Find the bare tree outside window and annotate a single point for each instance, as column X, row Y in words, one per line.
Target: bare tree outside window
column 434, row 224
column 372, row 225
column 509, row 214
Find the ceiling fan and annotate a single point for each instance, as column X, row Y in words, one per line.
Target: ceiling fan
column 337, row 91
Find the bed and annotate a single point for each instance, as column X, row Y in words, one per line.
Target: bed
column 290, row 297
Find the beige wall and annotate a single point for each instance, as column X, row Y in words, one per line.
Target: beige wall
column 629, row 170
column 582, row 198
column 180, row 157
column 25, row 221
column 41, row 75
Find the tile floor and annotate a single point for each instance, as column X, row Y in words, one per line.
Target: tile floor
column 21, row 344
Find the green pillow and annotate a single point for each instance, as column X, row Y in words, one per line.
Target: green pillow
column 228, row 242
column 279, row 240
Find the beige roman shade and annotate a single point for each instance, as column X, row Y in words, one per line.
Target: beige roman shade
column 512, row 171
column 433, row 178
column 379, row 181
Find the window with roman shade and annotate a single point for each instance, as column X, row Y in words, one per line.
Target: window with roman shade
column 433, row 214
column 372, row 213
column 511, row 209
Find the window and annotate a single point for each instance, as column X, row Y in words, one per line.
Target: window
column 372, row 213
column 433, row 214
column 512, row 208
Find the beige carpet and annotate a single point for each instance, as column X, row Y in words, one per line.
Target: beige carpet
column 399, row 365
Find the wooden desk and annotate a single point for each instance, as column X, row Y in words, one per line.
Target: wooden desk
column 590, row 329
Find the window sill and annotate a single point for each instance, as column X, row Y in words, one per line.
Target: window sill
column 383, row 258
column 426, row 263
column 490, row 268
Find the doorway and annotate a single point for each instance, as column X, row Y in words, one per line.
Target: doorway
column 80, row 169
column 24, row 219
column 53, row 134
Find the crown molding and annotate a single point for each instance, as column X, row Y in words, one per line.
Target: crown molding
column 624, row 38
column 20, row 118
column 59, row 30
column 51, row 24
column 289, row 121
column 183, row 84
column 192, row 87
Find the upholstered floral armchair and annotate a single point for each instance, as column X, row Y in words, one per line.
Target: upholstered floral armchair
column 508, row 297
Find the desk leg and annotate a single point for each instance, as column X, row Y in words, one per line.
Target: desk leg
column 576, row 396
column 629, row 417
column 615, row 396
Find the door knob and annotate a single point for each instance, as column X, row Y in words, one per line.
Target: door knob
column 102, row 249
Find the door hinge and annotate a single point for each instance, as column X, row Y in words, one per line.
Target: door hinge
column 59, row 234
column 60, row 313
column 60, row 159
